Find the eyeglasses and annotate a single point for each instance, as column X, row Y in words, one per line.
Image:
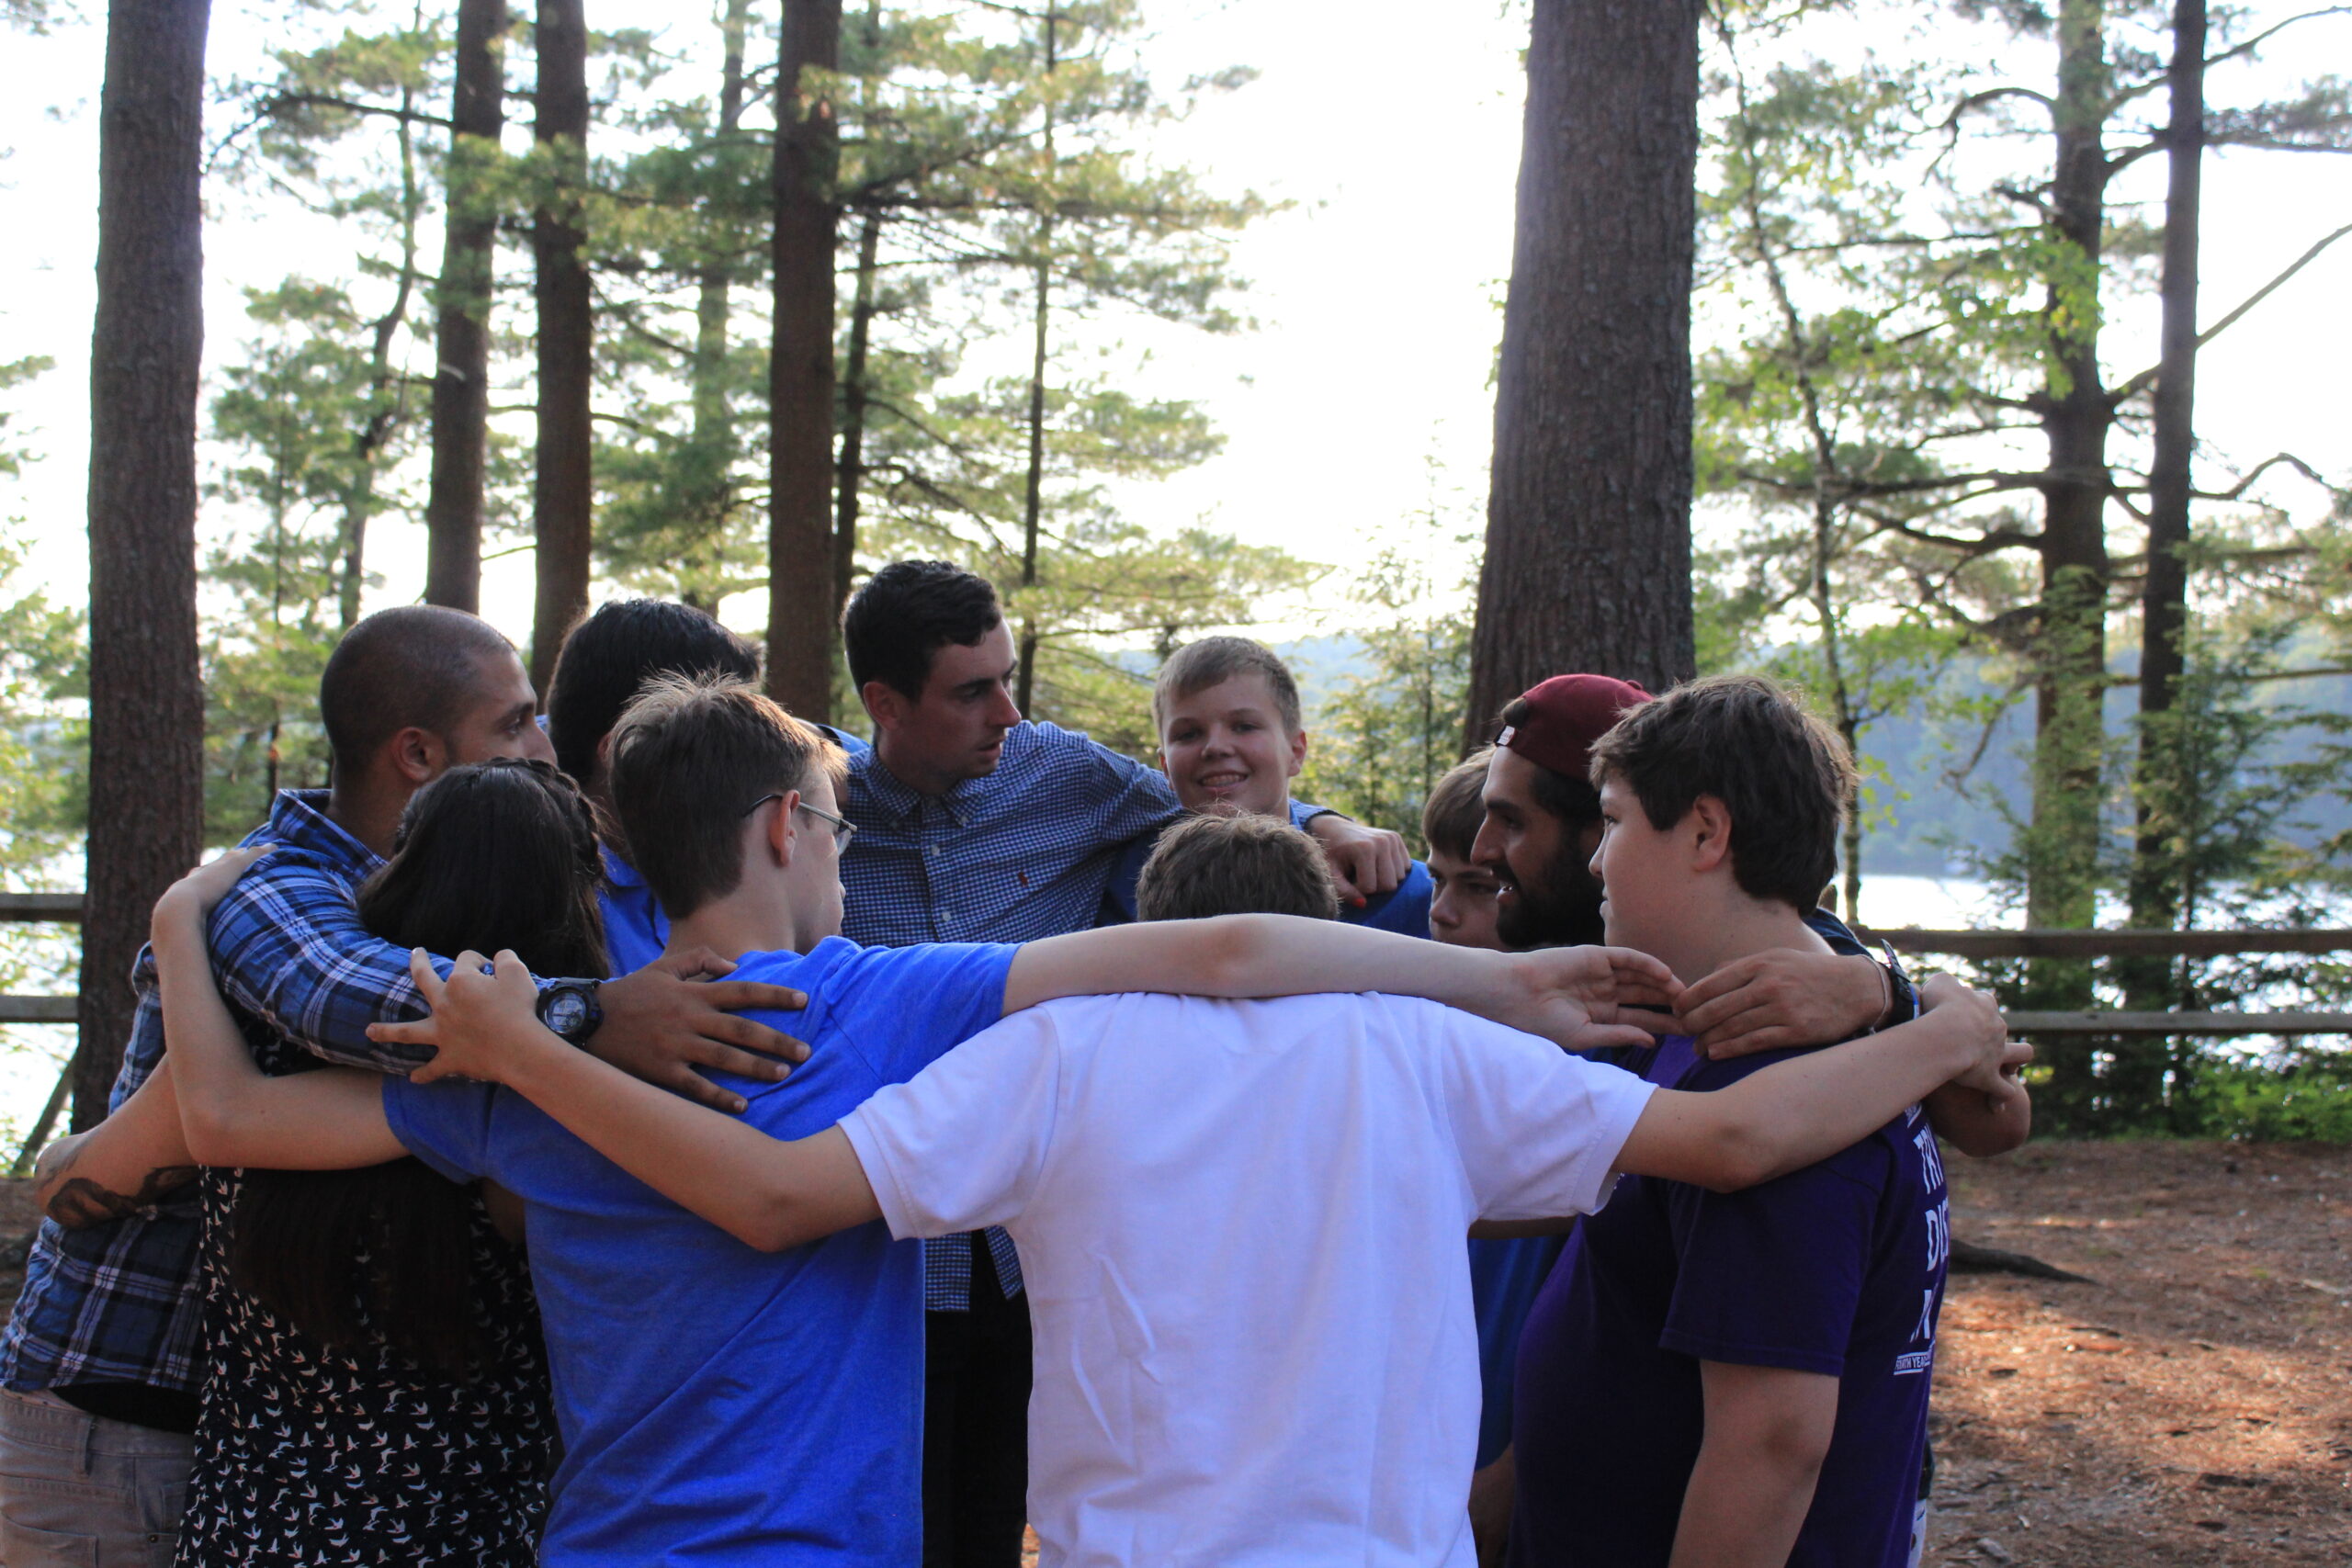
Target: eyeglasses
column 843, row 829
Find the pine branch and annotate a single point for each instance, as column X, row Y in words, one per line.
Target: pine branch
column 2145, row 379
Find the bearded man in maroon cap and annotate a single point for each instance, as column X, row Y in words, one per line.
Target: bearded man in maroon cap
column 1543, row 825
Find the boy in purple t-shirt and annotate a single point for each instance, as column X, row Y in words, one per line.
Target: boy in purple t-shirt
column 1733, row 1379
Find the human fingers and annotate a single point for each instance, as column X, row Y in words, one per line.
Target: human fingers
column 209, row 882
column 1760, row 1037
column 682, row 1080
column 694, row 964
column 430, row 988
column 747, row 1035
column 1715, row 997
column 1639, row 978
column 753, row 996
column 1607, row 1037
column 420, row 1031
column 1348, row 870
column 741, row 1062
column 1727, row 1019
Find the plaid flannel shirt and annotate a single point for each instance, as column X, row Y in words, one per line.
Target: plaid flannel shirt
column 1018, row 854
column 118, row 1302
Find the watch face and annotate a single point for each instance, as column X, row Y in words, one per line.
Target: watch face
column 566, row 1011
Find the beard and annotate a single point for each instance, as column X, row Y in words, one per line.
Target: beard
column 1558, row 907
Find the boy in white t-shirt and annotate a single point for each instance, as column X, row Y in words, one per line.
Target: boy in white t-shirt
column 1242, row 1221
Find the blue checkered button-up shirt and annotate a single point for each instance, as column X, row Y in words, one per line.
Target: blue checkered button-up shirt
column 1021, row 854
column 118, row 1302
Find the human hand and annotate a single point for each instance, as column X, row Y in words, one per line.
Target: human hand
column 480, row 1017
column 1588, row 999
column 195, row 893
column 1492, row 1493
column 679, row 1012
column 1782, row 997
column 1978, row 1019
column 1367, row 861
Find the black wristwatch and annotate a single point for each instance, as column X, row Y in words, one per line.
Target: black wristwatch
column 569, row 1009
column 1902, row 996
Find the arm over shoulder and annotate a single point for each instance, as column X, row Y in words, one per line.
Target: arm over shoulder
column 1538, row 1129
column 965, row 1142
column 288, row 947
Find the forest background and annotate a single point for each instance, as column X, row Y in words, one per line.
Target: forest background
column 1273, row 263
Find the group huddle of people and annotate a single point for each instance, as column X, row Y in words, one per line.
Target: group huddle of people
column 660, row 1130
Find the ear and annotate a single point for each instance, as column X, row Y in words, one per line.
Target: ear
column 1708, row 826
column 885, row 703
column 416, row 756
column 784, row 832
column 1297, row 752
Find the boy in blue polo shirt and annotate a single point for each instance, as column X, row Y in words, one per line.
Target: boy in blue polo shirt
column 1733, row 1379
column 719, row 1405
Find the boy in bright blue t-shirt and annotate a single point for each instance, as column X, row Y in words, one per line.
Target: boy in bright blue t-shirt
column 1733, row 1379
column 719, row 1404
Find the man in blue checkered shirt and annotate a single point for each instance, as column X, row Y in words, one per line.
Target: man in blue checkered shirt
column 974, row 825
column 101, row 1366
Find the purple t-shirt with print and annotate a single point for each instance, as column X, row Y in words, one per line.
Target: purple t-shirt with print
column 1838, row 1269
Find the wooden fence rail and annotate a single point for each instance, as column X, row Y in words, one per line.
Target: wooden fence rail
column 2106, row 945
column 2136, row 944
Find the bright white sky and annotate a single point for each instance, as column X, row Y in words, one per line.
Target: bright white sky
column 1375, row 295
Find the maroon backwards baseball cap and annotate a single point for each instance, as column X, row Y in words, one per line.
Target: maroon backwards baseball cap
column 1568, row 712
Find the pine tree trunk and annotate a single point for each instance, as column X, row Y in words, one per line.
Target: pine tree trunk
column 2149, row 983
column 1587, row 564
column 1032, row 491
column 561, row 504
column 713, row 441
column 800, row 367
column 2063, row 841
column 386, row 398
column 146, row 705
column 849, row 477
column 453, row 508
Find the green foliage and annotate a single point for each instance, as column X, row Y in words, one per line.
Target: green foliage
column 291, row 414
column 1382, row 738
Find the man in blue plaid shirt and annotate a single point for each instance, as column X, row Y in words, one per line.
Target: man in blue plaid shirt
column 973, row 825
column 101, row 1366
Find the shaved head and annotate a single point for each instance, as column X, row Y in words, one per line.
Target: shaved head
column 416, row 666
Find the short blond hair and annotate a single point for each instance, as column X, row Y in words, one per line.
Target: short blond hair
column 1245, row 864
column 1212, row 661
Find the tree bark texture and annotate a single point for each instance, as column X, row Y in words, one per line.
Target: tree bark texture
column 2063, row 843
column 800, row 367
column 1587, row 564
column 561, row 504
column 849, row 477
column 711, row 497
column 453, row 508
column 146, row 705
column 388, row 407
column 2155, row 899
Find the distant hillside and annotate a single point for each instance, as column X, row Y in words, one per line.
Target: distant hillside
column 1918, row 809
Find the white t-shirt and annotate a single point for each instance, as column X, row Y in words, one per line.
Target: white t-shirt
column 1240, row 1224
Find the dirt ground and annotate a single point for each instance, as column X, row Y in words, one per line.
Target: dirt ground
column 2192, row 1406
